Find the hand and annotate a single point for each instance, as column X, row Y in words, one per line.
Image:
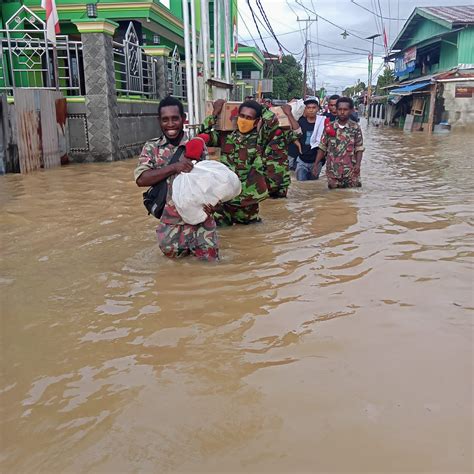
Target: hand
column 298, row 145
column 209, row 209
column 286, row 108
column 217, row 106
column 183, row 166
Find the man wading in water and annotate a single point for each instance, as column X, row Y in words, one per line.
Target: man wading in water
column 176, row 239
column 343, row 143
column 242, row 152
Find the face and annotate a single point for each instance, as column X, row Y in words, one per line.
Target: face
column 311, row 110
column 171, row 122
column 248, row 113
column 344, row 110
column 332, row 106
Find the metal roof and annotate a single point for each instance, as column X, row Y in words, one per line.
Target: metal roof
column 462, row 15
column 407, row 90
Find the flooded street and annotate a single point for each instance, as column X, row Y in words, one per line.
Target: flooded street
column 334, row 337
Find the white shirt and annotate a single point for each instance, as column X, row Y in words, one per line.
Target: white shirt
column 318, row 131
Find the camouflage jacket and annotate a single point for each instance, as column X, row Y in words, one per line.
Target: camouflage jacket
column 157, row 153
column 243, row 154
column 346, row 142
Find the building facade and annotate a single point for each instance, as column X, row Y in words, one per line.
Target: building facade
column 433, row 59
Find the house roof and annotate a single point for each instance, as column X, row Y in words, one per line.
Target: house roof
column 462, row 15
column 447, row 17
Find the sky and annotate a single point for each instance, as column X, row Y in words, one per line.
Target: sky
column 333, row 68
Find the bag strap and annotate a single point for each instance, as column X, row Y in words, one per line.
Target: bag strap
column 177, row 155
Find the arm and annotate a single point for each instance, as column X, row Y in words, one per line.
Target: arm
column 153, row 176
column 321, row 152
column 319, row 157
column 152, row 168
column 269, row 125
column 359, row 147
column 209, row 123
column 286, row 108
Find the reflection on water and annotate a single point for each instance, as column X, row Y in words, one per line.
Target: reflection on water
column 340, row 324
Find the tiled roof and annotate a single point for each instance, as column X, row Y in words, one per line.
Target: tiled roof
column 462, row 15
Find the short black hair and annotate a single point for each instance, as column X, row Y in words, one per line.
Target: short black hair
column 252, row 104
column 346, row 100
column 334, row 97
column 171, row 101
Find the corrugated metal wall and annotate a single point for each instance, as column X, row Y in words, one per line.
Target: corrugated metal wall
column 466, row 46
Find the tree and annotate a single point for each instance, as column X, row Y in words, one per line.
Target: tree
column 385, row 79
column 287, row 77
column 354, row 90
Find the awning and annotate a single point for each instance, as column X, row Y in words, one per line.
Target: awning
column 408, row 90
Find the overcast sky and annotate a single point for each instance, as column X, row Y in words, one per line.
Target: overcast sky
column 337, row 69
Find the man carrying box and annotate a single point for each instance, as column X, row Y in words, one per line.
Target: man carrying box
column 242, row 151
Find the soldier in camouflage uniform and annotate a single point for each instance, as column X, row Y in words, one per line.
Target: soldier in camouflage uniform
column 277, row 171
column 242, row 151
column 342, row 141
column 175, row 237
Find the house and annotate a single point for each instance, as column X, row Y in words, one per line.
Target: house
column 433, row 57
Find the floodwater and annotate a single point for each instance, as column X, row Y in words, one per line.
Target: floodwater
column 334, row 337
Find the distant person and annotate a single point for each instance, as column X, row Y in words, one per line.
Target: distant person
column 343, row 145
column 242, row 151
column 277, row 173
column 175, row 238
column 307, row 154
column 332, row 112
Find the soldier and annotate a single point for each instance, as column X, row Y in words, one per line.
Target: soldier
column 175, row 237
column 343, row 143
column 277, row 171
column 242, row 152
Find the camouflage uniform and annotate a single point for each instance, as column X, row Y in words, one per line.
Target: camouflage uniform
column 175, row 237
column 243, row 154
column 341, row 154
column 277, row 172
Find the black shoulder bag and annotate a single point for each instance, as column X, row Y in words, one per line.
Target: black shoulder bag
column 154, row 199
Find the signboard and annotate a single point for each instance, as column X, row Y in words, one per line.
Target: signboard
column 463, row 92
column 410, row 54
column 406, row 62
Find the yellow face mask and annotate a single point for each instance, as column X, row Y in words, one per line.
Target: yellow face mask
column 245, row 125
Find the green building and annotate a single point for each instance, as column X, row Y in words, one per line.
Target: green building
column 158, row 25
column 433, row 59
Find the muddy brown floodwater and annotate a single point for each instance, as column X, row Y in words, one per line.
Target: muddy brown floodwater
column 334, row 337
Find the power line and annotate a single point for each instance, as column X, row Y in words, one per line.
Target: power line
column 334, row 24
column 374, row 13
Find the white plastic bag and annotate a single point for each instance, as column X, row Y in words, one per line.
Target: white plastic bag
column 208, row 183
column 297, row 108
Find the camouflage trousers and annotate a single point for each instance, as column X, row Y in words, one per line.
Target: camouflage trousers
column 342, row 175
column 228, row 214
column 277, row 177
column 200, row 240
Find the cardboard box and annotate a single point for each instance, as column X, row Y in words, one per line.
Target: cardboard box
column 281, row 116
column 214, row 153
column 227, row 120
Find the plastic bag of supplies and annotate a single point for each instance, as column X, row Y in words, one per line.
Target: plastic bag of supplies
column 297, row 108
column 208, row 183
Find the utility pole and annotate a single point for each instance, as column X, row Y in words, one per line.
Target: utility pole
column 371, row 63
column 305, row 71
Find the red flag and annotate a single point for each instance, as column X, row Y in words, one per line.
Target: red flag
column 236, row 39
column 385, row 39
column 52, row 19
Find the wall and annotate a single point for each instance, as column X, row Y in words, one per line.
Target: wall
column 460, row 111
column 466, row 46
column 137, row 122
column 426, row 29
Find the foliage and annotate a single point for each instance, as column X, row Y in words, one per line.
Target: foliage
column 354, row 90
column 287, row 77
column 385, row 79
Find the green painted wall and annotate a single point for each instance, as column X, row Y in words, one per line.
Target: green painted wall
column 466, row 46
column 426, row 29
column 448, row 57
